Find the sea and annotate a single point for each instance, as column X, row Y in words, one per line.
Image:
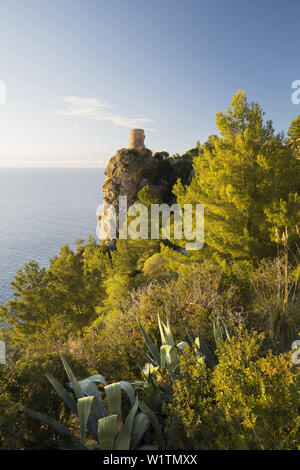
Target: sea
column 41, row 210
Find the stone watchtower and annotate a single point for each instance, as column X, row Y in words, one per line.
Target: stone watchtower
column 136, row 139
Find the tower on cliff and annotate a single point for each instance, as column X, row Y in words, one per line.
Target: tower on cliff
column 136, row 139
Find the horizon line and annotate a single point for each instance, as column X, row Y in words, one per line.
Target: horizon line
column 28, row 167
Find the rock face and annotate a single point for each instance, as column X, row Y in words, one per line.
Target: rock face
column 127, row 172
column 124, row 174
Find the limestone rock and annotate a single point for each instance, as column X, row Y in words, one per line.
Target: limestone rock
column 126, row 174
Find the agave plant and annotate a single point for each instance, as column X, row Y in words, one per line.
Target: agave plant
column 106, row 426
column 167, row 357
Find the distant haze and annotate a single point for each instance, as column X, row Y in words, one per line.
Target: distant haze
column 79, row 74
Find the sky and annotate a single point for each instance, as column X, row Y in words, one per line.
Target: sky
column 78, row 74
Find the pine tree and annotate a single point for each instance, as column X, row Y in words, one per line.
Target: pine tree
column 237, row 175
column 294, row 136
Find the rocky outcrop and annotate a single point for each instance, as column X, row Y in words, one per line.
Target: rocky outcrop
column 127, row 172
column 130, row 169
column 124, row 173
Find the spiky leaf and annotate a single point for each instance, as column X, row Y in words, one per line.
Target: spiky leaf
column 124, row 437
column 89, row 388
column 152, row 418
column 169, row 357
column 128, row 388
column 74, row 382
column 84, row 407
column 114, row 398
column 52, row 423
column 140, row 426
column 151, row 346
column 162, row 331
column 62, row 392
column 108, row 428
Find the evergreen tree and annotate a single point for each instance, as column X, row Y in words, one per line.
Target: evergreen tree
column 237, row 176
column 294, row 136
column 67, row 293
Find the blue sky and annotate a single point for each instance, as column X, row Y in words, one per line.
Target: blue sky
column 80, row 73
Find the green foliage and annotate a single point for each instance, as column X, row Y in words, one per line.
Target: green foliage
column 11, row 432
column 124, row 272
column 190, row 412
column 169, row 168
column 148, row 197
column 65, row 295
column 154, row 265
column 248, row 401
column 109, row 430
column 283, row 217
column 168, row 356
column 86, row 303
column 22, row 380
column 274, row 301
column 237, row 177
column 294, row 136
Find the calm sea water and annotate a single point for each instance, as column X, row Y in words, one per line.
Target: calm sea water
column 41, row 210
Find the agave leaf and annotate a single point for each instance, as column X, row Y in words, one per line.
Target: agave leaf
column 169, row 357
column 74, row 382
column 62, row 392
column 128, row 388
column 150, row 374
column 197, row 344
column 89, row 388
column 151, row 346
column 124, row 437
column 162, row 331
column 84, row 407
column 182, row 345
column 140, row 426
column 139, row 383
column 114, row 398
column 149, row 369
column 149, row 358
column 108, row 428
column 94, row 417
column 98, row 378
column 168, row 330
column 152, row 418
column 52, row 423
column 189, row 337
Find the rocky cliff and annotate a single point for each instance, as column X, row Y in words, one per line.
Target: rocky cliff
column 130, row 169
column 127, row 172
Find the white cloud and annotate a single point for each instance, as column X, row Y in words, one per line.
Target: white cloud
column 92, row 108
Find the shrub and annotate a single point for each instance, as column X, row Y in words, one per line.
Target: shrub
column 248, row 401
